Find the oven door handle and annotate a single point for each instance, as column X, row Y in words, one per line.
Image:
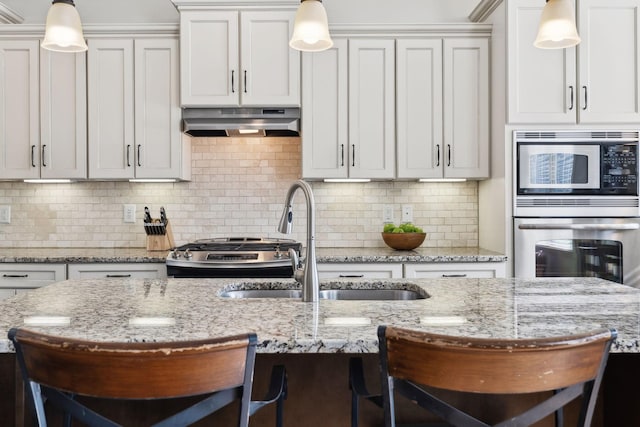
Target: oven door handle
column 594, row 227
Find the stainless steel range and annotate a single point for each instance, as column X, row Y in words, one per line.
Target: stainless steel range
column 237, row 257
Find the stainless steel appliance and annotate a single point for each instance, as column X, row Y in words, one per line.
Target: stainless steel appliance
column 576, row 205
column 608, row 248
column 576, row 174
column 240, row 257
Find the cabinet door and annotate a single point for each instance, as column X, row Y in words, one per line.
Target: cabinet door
column 541, row 82
column 325, row 132
column 110, row 86
column 371, row 108
column 63, row 115
column 270, row 69
column 419, row 108
column 357, row 271
column 19, row 110
column 453, row 269
column 609, row 61
column 157, row 109
column 466, row 108
column 126, row 270
column 209, row 58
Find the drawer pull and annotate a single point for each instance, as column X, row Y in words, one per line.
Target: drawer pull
column 454, row 275
column 15, row 276
column 118, row 275
column 351, row 275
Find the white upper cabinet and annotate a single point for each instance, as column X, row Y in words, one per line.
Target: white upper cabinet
column 348, row 110
column 443, row 108
column 43, row 112
column 134, row 112
column 238, row 58
column 575, row 85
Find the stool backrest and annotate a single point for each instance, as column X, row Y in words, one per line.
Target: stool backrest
column 478, row 365
column 136, row 370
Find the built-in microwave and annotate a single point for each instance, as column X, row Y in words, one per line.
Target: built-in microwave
column 576, row 174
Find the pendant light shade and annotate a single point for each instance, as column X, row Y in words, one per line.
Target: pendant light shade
column 557, row 26
column 311, row 28
column 63, row 31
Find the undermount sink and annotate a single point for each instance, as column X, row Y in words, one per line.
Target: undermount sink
column 332, row 294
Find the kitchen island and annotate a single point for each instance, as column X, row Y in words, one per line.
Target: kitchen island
column 314, row 341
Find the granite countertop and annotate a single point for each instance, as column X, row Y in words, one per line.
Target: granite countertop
column 108, row 309
column 323, row 255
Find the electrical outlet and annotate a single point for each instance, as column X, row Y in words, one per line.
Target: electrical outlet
column 407, row 213
column 5, row 214
column 387, row 213
column 129, row 213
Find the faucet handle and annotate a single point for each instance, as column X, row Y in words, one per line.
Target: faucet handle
column 295, row 260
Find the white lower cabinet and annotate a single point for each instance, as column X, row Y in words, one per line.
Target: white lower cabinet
column 356, row 271
column 455, row 269
column 119, row 270
column 18, row 278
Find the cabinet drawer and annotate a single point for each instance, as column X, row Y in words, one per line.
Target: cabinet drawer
column 129, row 270
column 440, row 270
column 27, row 276
column 372, row 271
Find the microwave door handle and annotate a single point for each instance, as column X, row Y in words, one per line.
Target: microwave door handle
column 588, row 227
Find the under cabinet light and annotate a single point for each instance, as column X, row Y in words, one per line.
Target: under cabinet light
column 442, row 180
column 443, row 320
column 153, row 180
column 347, row 180
column 47, row 181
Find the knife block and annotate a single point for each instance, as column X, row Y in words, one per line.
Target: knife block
column 161, row 242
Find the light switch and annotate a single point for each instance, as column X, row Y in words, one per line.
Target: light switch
column 387, row 214
column 5, row 214
column 130, row 213
column 407, row 213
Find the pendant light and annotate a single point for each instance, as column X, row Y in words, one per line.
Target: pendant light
column 63, row 32
column 311, row 28
column 557, row 26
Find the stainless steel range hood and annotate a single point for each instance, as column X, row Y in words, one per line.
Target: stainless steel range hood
column 244, row 122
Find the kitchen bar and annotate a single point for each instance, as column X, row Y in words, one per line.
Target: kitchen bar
column 314, row 341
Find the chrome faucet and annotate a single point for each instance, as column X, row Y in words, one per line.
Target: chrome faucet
column 308, row 277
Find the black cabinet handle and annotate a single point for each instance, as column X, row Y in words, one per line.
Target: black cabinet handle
column 118, row 275
column 437, row 154
column 448, row 154
column 33, row 156
column 233, row 81
column 454, row 275
column 128, row 155
column 139, row 146
column 353, row 154
column 341, row 154
column 245, row 81
column 15, row 276
column 43, row 151
column 570, row 98
column 355, row 276
column 586, row 99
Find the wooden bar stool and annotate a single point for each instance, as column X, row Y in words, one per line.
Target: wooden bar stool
column 56, row 370
column 568, row 367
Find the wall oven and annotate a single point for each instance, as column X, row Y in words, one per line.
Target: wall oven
column 576, row 210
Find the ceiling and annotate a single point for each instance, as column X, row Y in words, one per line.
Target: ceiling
column 100, row 11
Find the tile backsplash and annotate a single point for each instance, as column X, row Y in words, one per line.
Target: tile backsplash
column 238, row 188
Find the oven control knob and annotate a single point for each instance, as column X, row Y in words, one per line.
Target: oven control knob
column 187, row 254
column 175, row 254
column 277, row 254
